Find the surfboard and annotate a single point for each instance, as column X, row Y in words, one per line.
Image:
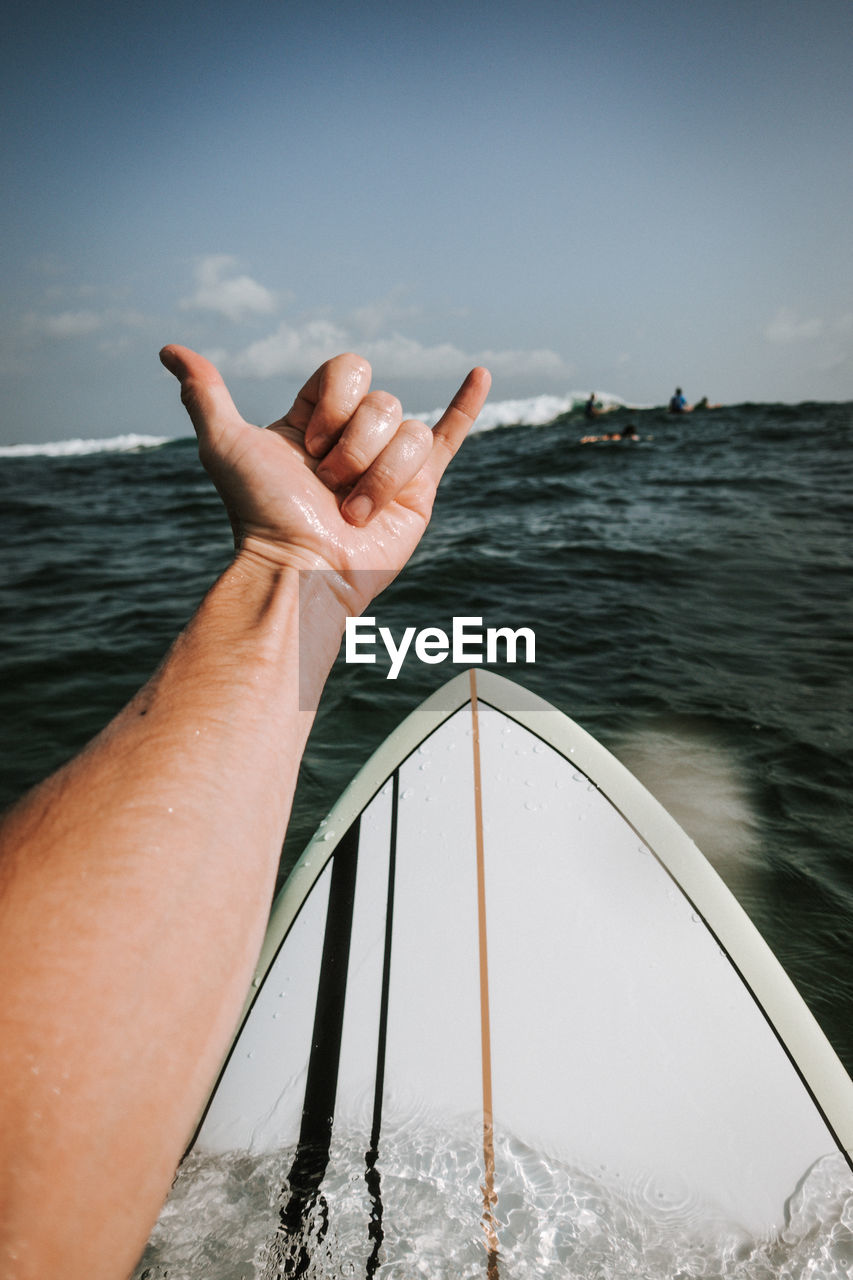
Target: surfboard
column 506, row 1018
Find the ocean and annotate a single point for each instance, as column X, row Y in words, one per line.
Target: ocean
column 690, row 596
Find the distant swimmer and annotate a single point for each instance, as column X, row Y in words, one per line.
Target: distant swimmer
column 592, row 408
column 628, row 432
column 678, row 404
column 704, row 404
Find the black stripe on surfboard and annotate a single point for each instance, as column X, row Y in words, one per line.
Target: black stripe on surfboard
column 290, row 1251
column 376, row 1233
column 257, row 985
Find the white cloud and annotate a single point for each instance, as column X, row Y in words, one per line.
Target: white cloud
column 296, row 352
column 110, row 321
column 838, row 352
column 787, row 327
column 220, row 289
column 70, row 324
column 401, row 357
column 513, row 364
column 290, row 351
column 385, row 313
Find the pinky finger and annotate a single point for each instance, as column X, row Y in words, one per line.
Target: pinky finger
column 457, row 420
column 397, row 464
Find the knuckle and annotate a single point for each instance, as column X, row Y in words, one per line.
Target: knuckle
column 349, row 457
column 451, row 447
column 419, row 432
column 189, row 392
column 381, row 476
column 344, row 381
column 386, row 404
column 356, row 365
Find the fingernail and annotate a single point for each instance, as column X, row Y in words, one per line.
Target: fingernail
column 169, row 361
column 358, row 509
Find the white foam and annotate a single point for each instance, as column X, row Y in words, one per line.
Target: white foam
column 535, row 411
column 77, row 448
column 532, row 412
column 220, row 1222
column 705, row 788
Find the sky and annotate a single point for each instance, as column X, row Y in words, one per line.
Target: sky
column 583, row 195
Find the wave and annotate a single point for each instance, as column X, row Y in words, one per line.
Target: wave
column 535, row 411
column 76, row 448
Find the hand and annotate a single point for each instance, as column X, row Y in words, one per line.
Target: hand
column 340, row 482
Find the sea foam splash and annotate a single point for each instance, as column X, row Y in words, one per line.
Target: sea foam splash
column 222, row 1221
column 533, row 412
column 77, row 448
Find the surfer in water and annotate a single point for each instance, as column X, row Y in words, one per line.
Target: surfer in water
column 628, row 432
column 678, row 404
column 135, row 883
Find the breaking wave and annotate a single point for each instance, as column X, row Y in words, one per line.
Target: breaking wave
column 533, row 412
column 77, row 448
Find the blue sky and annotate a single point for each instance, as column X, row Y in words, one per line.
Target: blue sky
column 607, row 195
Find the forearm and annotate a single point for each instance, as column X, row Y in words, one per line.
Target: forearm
column 143, row 872
column 135, row 884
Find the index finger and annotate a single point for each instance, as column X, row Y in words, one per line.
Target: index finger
column 457, row 420
column 328, row 400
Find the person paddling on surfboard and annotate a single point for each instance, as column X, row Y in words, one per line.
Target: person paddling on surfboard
column 628, row 432
column 135, row 882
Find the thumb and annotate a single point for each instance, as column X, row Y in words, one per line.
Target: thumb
column 203, row 393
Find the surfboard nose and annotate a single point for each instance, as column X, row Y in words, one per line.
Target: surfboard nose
column 501, row 941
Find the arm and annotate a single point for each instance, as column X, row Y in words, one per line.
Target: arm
column 135, row 883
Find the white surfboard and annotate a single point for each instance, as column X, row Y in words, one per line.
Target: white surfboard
column 504, row 999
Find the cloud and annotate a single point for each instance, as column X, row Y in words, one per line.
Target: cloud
column 513, row 364
column 787, row 327
column 69, row 324
column 109, row 321
column 370, row 319
column 400, row 357
column 290, row 351
column 220, row 289
column 838, row 353
column 295, row 352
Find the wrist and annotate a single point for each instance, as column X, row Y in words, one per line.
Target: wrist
column 291, row 618
column 295, row 586
column 334, row 594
